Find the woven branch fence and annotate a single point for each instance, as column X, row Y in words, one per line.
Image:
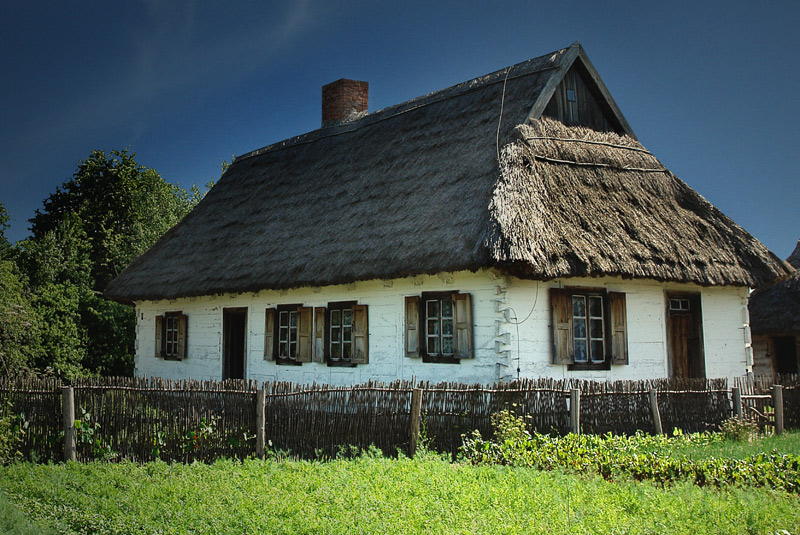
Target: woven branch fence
column 181, row 421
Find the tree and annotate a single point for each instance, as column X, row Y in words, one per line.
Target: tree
column 124, row 208
column 18, row 322
column 89, row 230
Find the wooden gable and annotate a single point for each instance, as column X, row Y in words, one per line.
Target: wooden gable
column 577, row 101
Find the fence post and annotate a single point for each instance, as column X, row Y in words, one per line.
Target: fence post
column 68, row 407
column 737, row 401
column 777, row 399
column 655, row 412
column 261, row 398
column 416, row 415
column 575, row 411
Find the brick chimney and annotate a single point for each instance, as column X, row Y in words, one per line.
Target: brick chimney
column 344, row 100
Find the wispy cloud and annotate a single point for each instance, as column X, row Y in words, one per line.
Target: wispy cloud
column 181, row 49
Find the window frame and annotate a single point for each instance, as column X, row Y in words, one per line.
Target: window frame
column 609, row 329
column 605, row 363
column 422, row 327
column 290, row 360
column 174, row 322
column 338, row 306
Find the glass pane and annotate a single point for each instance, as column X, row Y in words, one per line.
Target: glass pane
column 336, row 334
column 433, row 345
column 284, row 321
column 578, row 306
column 447, row 327
column 447, row 345
column 447, row 308
column 596, row 327
column 347, row 317
column 347, row 334
column 433, row 327
column 283, row 334
column 596, row 307
column 598, row 353
column 579, row 327
column 283, row 349
column 293, row 334
column 336, row 317
column 580, row 351
column 433, row 309
column 336, row 351
column 293, row 319
column 347, row 351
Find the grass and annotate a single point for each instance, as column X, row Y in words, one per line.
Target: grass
column 372, row 494
column 15, row 522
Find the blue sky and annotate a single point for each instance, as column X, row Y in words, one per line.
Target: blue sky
column 709, row 87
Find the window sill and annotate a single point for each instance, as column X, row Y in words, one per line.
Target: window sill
column 599, row 366
column 287, row 362
column 341, row 364
column 438, row 359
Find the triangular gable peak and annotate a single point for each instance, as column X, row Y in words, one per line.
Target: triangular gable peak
column 577, row 96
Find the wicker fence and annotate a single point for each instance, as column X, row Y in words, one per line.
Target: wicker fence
column 143, row 419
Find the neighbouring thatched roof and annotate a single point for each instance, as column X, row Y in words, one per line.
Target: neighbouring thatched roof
column 408, row 190
column 794, row 258
column 575, row 202
column 775, row 308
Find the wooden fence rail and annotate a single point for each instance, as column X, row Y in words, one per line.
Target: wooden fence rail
column 143, row 419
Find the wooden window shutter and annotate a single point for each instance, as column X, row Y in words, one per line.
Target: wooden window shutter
column 305, row 333
column 561, row 306
column 182, row 336
column 619, row 328
column 159, row 336
column 360, row 335
column 412, row 326
column 462, row 318
column 269, row 334
column 319, row 334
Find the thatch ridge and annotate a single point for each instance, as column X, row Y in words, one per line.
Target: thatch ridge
column 571, row 201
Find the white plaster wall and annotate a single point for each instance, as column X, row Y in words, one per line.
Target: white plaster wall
column 724, row 329
column 500, row 346
column 386, row 301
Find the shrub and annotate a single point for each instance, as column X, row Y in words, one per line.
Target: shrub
column 739, row 429
column 11, row 432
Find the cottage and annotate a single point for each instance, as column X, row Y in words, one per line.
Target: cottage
column 509, row 226
column 775, row 323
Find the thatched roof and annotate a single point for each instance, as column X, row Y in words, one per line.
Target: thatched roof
column 575, row 202
column 775, row 308
column 794, row 258
column 416, row 189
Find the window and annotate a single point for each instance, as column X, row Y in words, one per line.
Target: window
column 287, row 334
column 589, row 328
column 338, row 334
column 439, row 326
column 171, row 336
column 679, row 305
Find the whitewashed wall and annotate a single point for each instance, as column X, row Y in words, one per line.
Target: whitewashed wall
column 500, row 346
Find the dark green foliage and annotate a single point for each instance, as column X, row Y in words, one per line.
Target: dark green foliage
column 89, row 230
column 18, row 321
column 124, row 208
